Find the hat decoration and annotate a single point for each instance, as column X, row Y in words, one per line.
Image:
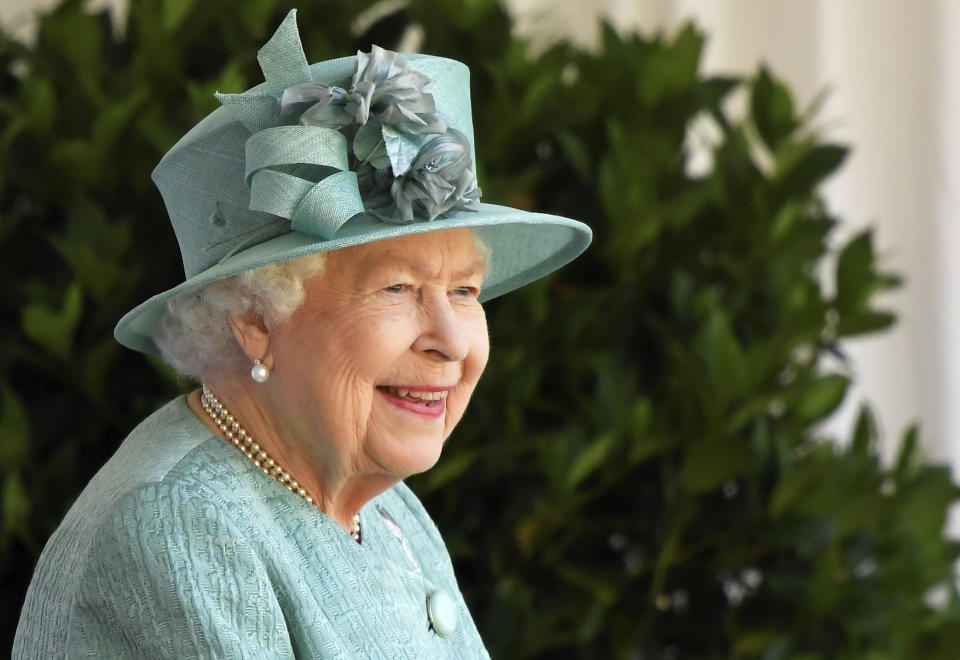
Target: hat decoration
column 320, row 154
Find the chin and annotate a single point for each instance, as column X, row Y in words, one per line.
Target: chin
column 421, row 463
column 409, row 458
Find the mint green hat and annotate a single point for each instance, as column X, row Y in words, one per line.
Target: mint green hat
column 334, row 154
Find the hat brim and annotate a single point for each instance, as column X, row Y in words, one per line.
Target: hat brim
column 524, row 246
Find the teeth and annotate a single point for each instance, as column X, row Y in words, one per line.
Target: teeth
column 403, row 392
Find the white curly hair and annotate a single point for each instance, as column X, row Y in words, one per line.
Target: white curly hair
column 195, row 336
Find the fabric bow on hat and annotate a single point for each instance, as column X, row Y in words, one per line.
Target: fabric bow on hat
column 319, row 154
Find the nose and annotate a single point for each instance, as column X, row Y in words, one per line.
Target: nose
column 442, row 333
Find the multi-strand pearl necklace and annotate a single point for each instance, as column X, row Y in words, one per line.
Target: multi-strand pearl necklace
column 240, row 439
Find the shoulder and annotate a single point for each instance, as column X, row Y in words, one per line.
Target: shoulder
column 170, row 573
column 200, row 504
column 147, row 456
column 170, row 509
column 124, row 527
column 178, row 509
column 160, row 466
column 151, row 450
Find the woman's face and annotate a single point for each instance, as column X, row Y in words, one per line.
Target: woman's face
column 380, row 361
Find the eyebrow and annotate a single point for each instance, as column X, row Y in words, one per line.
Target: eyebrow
column 476, row 267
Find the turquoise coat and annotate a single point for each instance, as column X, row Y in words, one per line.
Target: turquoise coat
column 181, row 547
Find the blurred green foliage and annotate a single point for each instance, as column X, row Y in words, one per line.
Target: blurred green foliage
column 641, row 473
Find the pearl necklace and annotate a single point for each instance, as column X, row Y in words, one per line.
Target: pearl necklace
column 240, row 439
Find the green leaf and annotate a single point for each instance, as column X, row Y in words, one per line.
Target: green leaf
column 671, row 70
column 855, row 273
column 449, row 468
column 863, row 323
column 781, row 649
column 785, row 220
column 111, row 122
column 641, row 416
column 256, row 16
column 76, row 37
column 772, row 109
column 681, row 292
column 708, row 464
column 682, row 209
column 794, row 486
column 174, row 11
column 538, row 92
column 89, row 236
column 805, row 535
column 907, row 454
column 648, row 446
column 589, row 459
column 80, row 158
column 41, row 103
column 16, row 504
column 754, row 642
column 53, row 329
column 712, row 91
column 807, row 656
column 96, row 367
column 14, row 430
column 922, row 503
column 864, row 433
column 577, row 155
column 724, row 357
column 821, row 397
column 803, row 173
column 10, row 132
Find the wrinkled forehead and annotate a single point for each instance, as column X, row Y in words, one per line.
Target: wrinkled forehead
column 457, row 252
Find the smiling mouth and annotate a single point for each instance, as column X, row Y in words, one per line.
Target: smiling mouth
column 427, row 398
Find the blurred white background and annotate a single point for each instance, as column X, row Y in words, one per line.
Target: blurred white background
column 893, row 75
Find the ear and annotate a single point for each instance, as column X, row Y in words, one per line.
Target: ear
column 252, row 337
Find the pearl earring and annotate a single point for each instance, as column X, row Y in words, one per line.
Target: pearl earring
column 259, row 372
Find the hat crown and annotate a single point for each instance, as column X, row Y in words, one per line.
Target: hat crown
column 205, row 180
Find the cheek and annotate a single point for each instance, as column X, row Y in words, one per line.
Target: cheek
column 479, row 348
column 336, row 370
column 356, row 346
column 331, row 390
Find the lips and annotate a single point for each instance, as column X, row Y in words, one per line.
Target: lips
column 424, row 401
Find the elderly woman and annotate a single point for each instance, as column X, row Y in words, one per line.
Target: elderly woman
column 336, row 257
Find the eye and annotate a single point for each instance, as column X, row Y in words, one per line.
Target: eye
column 395, row 288
column 466, row 291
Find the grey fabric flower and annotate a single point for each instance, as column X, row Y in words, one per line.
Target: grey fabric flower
column 319, row 105
column 387, row 89
column 440, row 178
column 384, row 89
column 387, row 101
column 401, row 150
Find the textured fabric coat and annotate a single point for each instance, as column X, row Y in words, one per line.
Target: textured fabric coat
column 181, row 547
